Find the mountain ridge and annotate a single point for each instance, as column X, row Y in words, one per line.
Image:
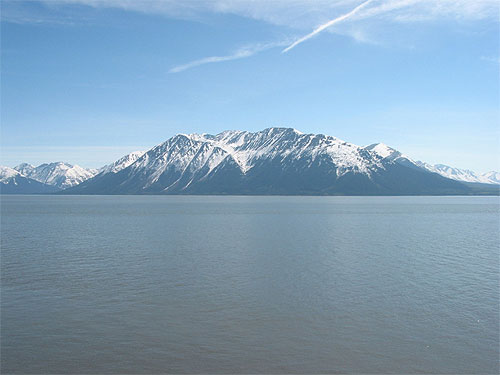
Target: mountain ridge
column 13, row 182
column 59, row 174
column 457, row 174
column 271, row 161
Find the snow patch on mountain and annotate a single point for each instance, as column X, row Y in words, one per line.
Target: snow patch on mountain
column 388, row 153
column 381, row 149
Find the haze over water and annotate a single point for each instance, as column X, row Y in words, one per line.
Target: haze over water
column 191, row 284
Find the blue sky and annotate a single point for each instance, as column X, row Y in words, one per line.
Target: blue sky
column 87, row 81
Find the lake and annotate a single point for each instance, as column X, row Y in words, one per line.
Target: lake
column 211, row 284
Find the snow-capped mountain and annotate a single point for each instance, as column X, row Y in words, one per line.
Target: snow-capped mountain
column 122, row 163
column 461, row 174
column 13, row 182
column 59, row 174
column 272, row 161
column 457, row 174
column 201, row 154
column 7, row 174
column 492, row 176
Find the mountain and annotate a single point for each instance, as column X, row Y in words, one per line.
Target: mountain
column 457, row 174
column 121, row 163
column 59, row 174
column 492, row 176
column 272, row 161
column 13, row 182
column 461, row 174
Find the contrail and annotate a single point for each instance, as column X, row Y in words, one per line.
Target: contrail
column 241, row 53
column 327, row 25
column 212, row 59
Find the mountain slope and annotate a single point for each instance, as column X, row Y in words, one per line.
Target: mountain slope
column 121, row 163
column 390, row 154
column 272, row 161
column 13, row 182
column 59, row 174
column 25, row 168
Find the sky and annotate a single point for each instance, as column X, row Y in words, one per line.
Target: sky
column 88, row 81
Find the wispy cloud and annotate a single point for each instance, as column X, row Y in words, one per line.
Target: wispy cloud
column 297, row 14
column 371, row 21
column 240, row 53
column 327, row 25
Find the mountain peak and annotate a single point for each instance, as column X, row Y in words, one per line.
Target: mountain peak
column 23, row 165
column 382, row 150
column 7, row 173
column 24, row 168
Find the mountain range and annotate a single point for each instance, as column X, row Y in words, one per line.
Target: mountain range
column 13, row 182
column 59, row 174
column 274, row 161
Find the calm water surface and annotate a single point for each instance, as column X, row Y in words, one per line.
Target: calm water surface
column 155, row 284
